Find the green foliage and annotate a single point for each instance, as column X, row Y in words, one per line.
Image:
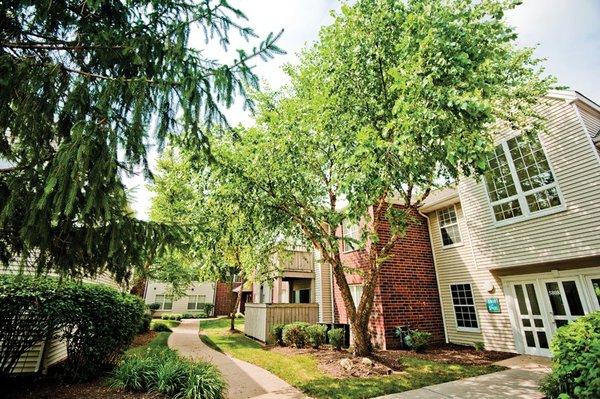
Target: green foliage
column 418, row 340
column 165, row 316
column 277, row 332
column 86, row 88
column 396, row 98
column 154, row 306
column 159, row 369
column 575, row 367
column 479, row 346
column 294, row 334
column 145, row 324
column 316, row 335
column 336, row 337
column 97, row 322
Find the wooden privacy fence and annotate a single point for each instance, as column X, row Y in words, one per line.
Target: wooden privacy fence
column 260, row 317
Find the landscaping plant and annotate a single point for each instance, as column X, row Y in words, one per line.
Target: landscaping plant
column 145, row 324
column 576, row 360
column 277, row 332
column 336, row 337
column 154, row 306
column 418, row 340
column 160, row 327
column 316, row 335
column 97, row 322
column 294, row 334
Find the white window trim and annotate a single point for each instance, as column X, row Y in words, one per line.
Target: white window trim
column 520, row 196
column 457, row 244
column 162, row 304
column 195, row 301
column 465, row 329
column 356, row 231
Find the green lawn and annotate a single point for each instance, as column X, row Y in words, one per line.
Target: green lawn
column 302, row 372
column 159, row 342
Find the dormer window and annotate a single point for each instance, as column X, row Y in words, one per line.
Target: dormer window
column 520, row 182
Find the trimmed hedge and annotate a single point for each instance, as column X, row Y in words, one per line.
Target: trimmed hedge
column 97, row 322
column 336, row 337
column 316, row 335
column 294, row 334
column 576, row 361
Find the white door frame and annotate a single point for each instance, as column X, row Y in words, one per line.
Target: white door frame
column 583, row 281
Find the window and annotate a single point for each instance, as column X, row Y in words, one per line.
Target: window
column 464, row 307
column 519, row 180
column 195, row 302
column 449, row 226
column 356, row 291
column 350, row 231
column 165, row 302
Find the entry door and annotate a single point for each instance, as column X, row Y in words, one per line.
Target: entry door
column 531, row 321
column 564, row 297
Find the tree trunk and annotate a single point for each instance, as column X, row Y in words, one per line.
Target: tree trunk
column 236, row 305
column 361, row 338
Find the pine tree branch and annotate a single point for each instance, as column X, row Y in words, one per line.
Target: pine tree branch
column 57, row 46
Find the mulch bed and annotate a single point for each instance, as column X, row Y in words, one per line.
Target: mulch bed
column 143, row 339
column 44, row 388
column 329, row 361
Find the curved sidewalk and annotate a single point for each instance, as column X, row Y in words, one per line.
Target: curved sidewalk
column 245, row 380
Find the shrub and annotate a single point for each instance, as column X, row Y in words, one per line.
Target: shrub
column 206, row 309
column 575, row 367
column 162, row 371
column 479, row 346
column 97, row 322
column 175, row 316
column 277, row 331
column 154, row 306
column 294, row 334
column 166, row 316
column 336, row 337
column 316, row 335
column 418, row 340
column 187, row 316
column 145, row 324
column 160, row 327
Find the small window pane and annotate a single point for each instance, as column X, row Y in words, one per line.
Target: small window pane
column 449, row 226
column 573, row 299
column 542, row 339
column 464, row 306
column 533, row 302
column 521, row 300
column 596, row 285
column 529, row 338
column 558, row 307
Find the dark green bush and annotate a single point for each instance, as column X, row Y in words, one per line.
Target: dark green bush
column 575, row 366
column 294, row 334
column 418, row 340
column 97, row 322
column 277, row 332
column 336, row 337
column 154, row 306
column 166, row 316
column 145, row 324
column 175, row 316
column 162, row 371
column 188, row 316
column 316, row 335
column 160, row 327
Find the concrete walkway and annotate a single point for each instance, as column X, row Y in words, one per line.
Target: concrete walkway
column 520, row 381
column 245, row 380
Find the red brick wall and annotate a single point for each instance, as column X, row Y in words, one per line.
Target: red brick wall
column 224, row 298
column 407, row 291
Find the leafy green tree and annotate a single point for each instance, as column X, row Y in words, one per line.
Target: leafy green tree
column 85, row 88
column 225, row 238
column 396, row 98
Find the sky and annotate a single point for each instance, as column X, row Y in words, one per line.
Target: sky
column 566, row 33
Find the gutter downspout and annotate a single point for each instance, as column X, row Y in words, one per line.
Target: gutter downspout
column 437, row 280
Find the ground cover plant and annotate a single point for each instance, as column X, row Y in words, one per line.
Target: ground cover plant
column 307, row 369
column 156, row 368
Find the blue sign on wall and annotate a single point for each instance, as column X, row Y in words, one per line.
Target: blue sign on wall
column 493, row 305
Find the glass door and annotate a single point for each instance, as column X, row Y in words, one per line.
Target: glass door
column 565, row 301
column 594, row 284
column 531, row 321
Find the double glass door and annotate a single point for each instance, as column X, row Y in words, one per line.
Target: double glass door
column 542, row 306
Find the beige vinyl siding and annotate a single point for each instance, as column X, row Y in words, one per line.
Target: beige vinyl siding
column 180, row 305
column 56, row 351
column 456, row 265
column 564, row 235
column 323, row 291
